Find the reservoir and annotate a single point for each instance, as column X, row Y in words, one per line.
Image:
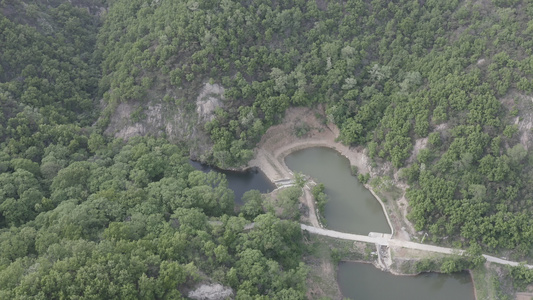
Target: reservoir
column 351, row 207
column 365, row 282
column 241, row 182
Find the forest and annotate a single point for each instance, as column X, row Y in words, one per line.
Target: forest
column 87, row 215
column 390, row 73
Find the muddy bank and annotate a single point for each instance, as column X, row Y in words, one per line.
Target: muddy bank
column 281, row 140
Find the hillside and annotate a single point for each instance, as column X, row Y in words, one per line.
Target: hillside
column 86, row 216
column 452, row 77
column 439, row 93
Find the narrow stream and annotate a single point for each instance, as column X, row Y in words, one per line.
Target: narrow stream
column 351, row 207
column 241, row 182
column 365, row 282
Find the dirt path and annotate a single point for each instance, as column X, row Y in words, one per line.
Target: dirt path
column 524, row 296
column 308, row 198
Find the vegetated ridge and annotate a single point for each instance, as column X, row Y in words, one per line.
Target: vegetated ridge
column 85, row 214
column 390, row 73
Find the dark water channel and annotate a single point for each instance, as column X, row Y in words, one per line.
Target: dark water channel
column 241, row 182
column 351, row 207
column 365, row 282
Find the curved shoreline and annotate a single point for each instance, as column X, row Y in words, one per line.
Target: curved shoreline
column 284, row 154
column 473, row 283
column 280, row 155
column 279, row 141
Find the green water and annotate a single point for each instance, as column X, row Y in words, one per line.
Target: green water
column 351, row 207
column 365, row 282
column 241, row 182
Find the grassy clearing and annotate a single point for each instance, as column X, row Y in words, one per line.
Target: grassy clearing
column 490, row 284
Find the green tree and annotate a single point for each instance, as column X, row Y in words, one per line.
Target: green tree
column 253, row 204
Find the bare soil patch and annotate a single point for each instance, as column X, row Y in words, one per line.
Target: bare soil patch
column 524, row 296
column 311, row 217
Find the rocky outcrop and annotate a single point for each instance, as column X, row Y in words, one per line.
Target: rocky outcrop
column 210, row 98
column 170, row 118
column 211, row 292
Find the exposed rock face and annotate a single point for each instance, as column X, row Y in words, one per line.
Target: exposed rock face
column 177, row 122
column 419, row 145
column 211, row 292
column 158, row 118
column 209, row 99
column 523, row 105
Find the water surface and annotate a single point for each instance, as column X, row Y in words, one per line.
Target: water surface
column 351, row 207
column 365, row 282
column 241, row 182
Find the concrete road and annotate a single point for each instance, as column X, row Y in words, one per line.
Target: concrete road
column 398, row 243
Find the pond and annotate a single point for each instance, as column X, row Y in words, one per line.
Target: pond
column 364, row 282
column 351, row 207
column 241, row 182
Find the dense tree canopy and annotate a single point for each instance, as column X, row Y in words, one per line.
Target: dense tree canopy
column 113, row 226
column 84, row 215
column 389, row 72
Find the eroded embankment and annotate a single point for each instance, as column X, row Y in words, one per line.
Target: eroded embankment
column 280, row 140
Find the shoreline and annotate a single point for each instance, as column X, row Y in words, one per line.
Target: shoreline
column 279, row 141
column 271, row 160
column 404, row 274
column 297, row 147
column 473, row 283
